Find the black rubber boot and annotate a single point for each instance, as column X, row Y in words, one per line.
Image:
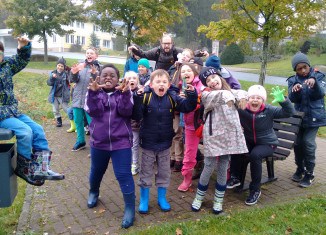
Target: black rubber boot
column 59, row 122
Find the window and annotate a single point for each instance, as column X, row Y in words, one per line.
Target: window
column 83, row 41
column 106, row 43
column 96, row 28
column 72, row 39
column 54, row 38
column 67, row 38
column 78, row 40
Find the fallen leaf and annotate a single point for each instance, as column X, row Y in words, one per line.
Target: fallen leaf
column 273, row 216
column 288, row 231
column 101, row 211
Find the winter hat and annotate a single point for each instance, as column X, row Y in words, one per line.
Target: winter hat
column 62, row 61
column 207, row 71
column 213, row 61
column 198, row 60
column 299, row 58
column 257, row 90
column 144, row 62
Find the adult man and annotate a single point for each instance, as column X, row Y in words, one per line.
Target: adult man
column 165, row 55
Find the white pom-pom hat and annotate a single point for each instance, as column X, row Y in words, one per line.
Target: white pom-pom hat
column 257, row 90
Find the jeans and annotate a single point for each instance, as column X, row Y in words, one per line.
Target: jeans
column 305, row 148
column 30, row 135
column 121, row 161
column 56, row 106
column 70, row 113
column 135, row 147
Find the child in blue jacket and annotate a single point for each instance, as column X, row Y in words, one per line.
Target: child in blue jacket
column 307, row 91
column 156, row 109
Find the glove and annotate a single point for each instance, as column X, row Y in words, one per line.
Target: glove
column 277, row 94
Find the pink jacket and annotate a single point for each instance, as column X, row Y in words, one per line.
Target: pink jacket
column 189, row 117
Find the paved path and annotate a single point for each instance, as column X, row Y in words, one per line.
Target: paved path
column 60, row 207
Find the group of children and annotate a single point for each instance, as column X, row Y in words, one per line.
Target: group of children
column 139, row 111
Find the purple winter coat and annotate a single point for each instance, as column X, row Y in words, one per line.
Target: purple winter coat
column 110, row 127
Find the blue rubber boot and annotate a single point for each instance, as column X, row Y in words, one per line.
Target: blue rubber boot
column 129, row 212
column 144, row 199
column 92, row 199
column 161, row 199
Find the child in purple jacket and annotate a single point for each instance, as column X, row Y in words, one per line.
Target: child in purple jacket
column 110, row 107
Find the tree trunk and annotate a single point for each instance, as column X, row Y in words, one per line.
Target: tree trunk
column 128, row 41
column 264, row 61
column 45, row 48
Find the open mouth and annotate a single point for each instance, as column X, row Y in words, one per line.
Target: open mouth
column 132, row 83
column 161, row 89
column 108, row 83
column 254, row 105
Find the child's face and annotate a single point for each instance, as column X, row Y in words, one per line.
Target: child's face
column 109, row 77
column 133, row 81
column 185, row 56
column 187, row 73
column 142, row 70
column 90, row 55
column 214, row 82
column 160, row 85
column 60, row 68
column 255, row 102
column 302, row 69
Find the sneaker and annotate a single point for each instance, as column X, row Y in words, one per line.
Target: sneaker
column 298, row 175
column 307, row 179
column 78, row 146
column 233, row 182
column 253, row 197
column 177, row 166
column 134, row 169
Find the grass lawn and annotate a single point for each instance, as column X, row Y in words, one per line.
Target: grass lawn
column 282, row 68
column 300, row 216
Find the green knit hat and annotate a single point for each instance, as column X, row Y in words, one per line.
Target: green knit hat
column 144, row 62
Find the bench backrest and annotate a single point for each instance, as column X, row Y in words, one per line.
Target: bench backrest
column 286, row 130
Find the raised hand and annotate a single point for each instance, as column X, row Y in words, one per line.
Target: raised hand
column 94, row 84
column 124, row 86
column 277, row 94
column 76, row 68
column 93, row 69
column 22, row 42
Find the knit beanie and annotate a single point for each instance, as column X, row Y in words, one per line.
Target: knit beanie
column 213, row 61
column 62, row 61
column 299, row 58
column 207, row 71
column 144, row 62
column 257, row 90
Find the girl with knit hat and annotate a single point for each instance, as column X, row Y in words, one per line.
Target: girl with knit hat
column 222, row 134
column 307, row 91
column 144, row 71
column 257, row 123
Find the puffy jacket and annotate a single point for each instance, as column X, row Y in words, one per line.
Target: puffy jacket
column 8, row 68
column 258, row 127
column 156, row 130
column 59, row 86
column 309, row 100
column 232, row 81
column 131, row 65
column 82, row 80
column 163, row 60
column 110, row 127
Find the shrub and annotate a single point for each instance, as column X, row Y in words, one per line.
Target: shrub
column 232, row 55
column 75, row 48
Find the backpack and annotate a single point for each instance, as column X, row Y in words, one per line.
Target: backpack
column 199, row 119
column 147, row 98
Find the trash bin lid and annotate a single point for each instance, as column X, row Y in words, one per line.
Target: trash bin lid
column 6, row 134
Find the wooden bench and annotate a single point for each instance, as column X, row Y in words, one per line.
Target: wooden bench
column 286, row 130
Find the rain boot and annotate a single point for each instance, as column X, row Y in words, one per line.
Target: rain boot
column 25, row 170
column 144, row 200
column 201, row 191
column 43, row 171
column 218, row 198
column 59, row 122
column 161, row 199
column 72, row 127
column 187, row 180
column 129, row 212
column 92, row 199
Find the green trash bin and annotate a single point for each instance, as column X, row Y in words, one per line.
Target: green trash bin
column 8, row 162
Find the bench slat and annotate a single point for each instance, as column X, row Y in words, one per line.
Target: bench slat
column 291, row 120
column 286, row 135
column 281, row 151
column 285, row 144
column 284, row 127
